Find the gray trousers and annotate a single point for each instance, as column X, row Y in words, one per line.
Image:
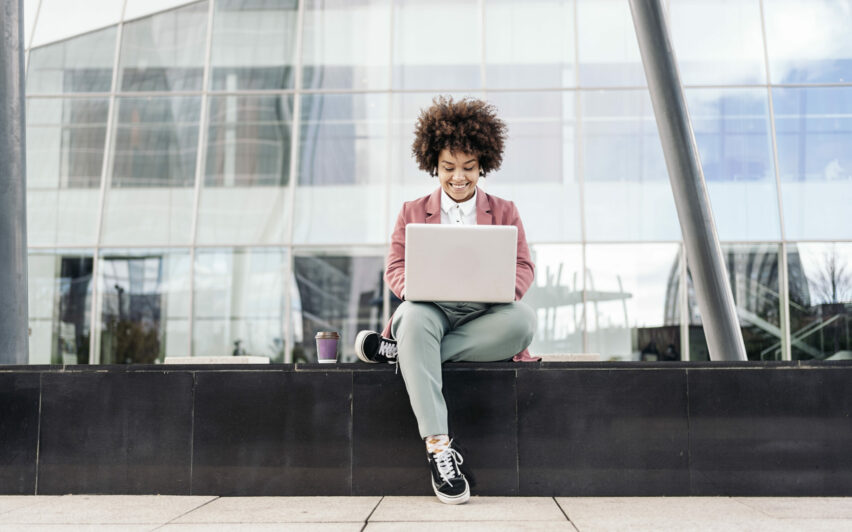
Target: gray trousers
column 429, row 334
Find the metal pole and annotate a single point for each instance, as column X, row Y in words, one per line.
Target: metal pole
column 712, row 289
column 14, row 331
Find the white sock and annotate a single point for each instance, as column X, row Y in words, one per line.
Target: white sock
column 437, row 443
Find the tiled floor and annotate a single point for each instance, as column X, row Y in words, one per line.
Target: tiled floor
column 583, row 514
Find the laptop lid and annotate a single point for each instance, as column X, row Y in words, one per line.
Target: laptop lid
column 473, row 263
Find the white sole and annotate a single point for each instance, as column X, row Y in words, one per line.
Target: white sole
column 461, row 498
column 359, row 346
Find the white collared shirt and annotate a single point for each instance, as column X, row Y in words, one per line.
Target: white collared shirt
column 463, row 213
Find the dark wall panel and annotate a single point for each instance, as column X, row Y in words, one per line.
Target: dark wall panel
column 19, row 397
column 771, row 432
column 602, row 432
column 115, row 432
column 273, row 433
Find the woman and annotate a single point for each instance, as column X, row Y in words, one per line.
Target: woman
column 457, row 142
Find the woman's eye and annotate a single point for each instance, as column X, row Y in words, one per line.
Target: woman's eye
column 468, row 169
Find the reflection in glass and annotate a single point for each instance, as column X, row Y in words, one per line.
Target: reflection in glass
column 808, row 41
column 336, row 293
column 65, row 151
column 144, row 305
column 607, row 50
column 820, row 300
column 239, row 302
column 732, row 132
column 814, row 131
column 342, row 169
column 65, row 142
column 156, row 141
column 253, row 44
column 753, row 274
column 248, row 167
column 557, row 297
column 717, row 42
column 434, row 50
column 80, row 64
column 164, row 52
column 632, row 301
column 627, row 190
column 248, row 140
column 538, row 171
column 60, row 291
column 529, row 44
column 150, row 202
column 346, row 44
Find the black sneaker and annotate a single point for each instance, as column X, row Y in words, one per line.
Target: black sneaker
column 448, row 482
column 371, row 347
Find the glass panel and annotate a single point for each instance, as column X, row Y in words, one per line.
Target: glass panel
column 753, row 274
column 718, row 41
column 164, row 52
column 60, row 291
column 153, row 172
column 607, row 50
column 632, row 301
column 529, row 44
column 809, row 40
column 820, row 300
column 335, row 293
column 58, row 19
column 814, row 130
column 627, row 191
column 732, row 131
column 346, row 44
column 144, row 305
column 65, row 142
column 248, row 168
column 538, row 171
column 253, row 44
column 454, row 53
column 65, row 150
column 342, row 169
column 239, row 302
column 138, row 8
column 81, row 64
column 557, row 297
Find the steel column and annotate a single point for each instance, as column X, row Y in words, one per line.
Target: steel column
column 14, row 331
column 704, row 254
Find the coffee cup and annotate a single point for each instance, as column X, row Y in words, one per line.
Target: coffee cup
column 327, row 347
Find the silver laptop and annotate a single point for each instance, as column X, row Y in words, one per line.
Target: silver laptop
column 473, row 263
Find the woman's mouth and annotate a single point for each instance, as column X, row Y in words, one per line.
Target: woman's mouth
column 460, row 186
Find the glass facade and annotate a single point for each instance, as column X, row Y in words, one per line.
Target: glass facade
column 220, row 177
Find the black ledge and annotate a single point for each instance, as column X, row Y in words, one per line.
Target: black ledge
column 553, row 429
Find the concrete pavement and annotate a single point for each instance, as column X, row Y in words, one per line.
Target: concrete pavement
column 377, row 514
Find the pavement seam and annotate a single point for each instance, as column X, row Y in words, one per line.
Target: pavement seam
column 367, row 520
column 187, row 512
column 752, row 508
column 561, row 509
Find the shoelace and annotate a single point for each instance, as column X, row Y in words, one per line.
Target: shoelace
column 447, row 462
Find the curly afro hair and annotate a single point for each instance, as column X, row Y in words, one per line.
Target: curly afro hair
column 467, row 126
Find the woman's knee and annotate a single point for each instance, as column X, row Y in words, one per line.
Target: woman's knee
column 524, row 321
column 416, row 316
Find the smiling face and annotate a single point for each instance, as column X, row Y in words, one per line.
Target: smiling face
column 458, row 173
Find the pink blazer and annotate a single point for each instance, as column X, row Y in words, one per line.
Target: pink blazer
column 490, row 210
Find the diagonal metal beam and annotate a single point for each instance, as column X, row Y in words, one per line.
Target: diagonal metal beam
column 704, row 255
column 14, row 332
